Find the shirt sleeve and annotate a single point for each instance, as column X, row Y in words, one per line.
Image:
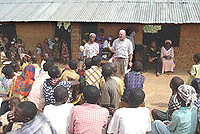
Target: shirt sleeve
column 84, row 51
column 105, row 97
column 71, row 123
column 193, row 71
column 130, row 48
column 97, row 48
column 173, row 124
column 113, row 47
column 114, row 124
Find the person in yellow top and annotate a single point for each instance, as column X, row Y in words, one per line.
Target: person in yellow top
column 119, row 81
column 195, row 70
column 71, row 72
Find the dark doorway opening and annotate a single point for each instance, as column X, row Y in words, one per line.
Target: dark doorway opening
column 171, row 32
column 64, row 32
column 86, row 29
column 8, row 30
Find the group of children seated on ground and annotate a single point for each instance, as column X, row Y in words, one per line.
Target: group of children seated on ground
column 45, row 100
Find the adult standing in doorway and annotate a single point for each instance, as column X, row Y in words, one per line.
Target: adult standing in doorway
column 124, row 53
column 91, row 48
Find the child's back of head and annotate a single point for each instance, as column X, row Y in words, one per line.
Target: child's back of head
column 136, row 97
column 196, row 84
column 14, row 101
column 88, row 63
column 197, row 58
column 175, row 83
column 137, row 66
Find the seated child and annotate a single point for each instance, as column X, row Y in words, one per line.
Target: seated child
column 132, row 120
column 196, row 84
column 133, row 79
column 44, row 57
column 195, row 70
column 38, row 52
column 61, row 110
column 24, row 62
column 184, row 120
column 88, row 63
column 71, row 72
column 80, row 57
column 8, row 76
column 14, row 101
column 173, row 102
column 16, row 67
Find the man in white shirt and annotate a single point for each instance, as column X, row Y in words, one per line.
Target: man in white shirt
column 59, row 114
column 132, row 120
column 124, row 53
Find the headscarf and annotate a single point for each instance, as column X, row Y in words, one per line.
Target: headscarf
column 168, row 41
column 92, row 34
column 25, row 81
column 187, row 94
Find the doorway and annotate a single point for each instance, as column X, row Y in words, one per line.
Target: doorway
column 63, row 31
column 171, row 32
column 8, row 30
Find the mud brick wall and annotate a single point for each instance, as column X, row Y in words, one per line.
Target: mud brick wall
column 75, row 39
column 189, row 45
column 34, row 32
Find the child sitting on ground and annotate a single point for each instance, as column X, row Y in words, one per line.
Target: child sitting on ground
column 16, row 67
column 173, row 102
column 196, row 84
column 38, row 52
column 133, row 79
column 14, row 101
column 195, row 70
column 8, row 76
column 80, row 57
column 184, row 120
column 134, row 119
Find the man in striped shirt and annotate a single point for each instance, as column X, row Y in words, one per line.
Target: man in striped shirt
column 93, row 75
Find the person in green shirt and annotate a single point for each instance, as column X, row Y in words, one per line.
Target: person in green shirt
column 184, row 120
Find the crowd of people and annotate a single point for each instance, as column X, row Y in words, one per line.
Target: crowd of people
column 88, row 97
column 14, row 49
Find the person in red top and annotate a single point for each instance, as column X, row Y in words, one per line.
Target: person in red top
column 88, row 118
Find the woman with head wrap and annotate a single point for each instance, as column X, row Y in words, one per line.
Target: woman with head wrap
column 91, row 48
column 184, row 120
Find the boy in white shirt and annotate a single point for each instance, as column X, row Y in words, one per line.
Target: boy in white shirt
column 134, row 119
column 59, row 113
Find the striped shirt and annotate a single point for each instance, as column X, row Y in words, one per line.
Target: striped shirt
column 93, row 76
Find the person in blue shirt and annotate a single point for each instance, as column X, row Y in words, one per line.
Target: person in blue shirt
column 184, row 120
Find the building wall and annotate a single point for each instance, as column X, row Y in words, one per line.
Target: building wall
column 75, row 39
column 34, row 32
column 189, row 45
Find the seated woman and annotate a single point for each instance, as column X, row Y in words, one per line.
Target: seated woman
column 153, row 55
column 21, row 85
column 167, row 55
column 184, row 120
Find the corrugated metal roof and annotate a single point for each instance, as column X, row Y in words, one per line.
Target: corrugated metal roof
column 122, row 11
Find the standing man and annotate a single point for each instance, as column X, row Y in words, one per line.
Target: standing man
column 124, row 53
column 91, row 48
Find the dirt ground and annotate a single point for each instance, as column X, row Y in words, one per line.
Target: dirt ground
column 157, row 89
